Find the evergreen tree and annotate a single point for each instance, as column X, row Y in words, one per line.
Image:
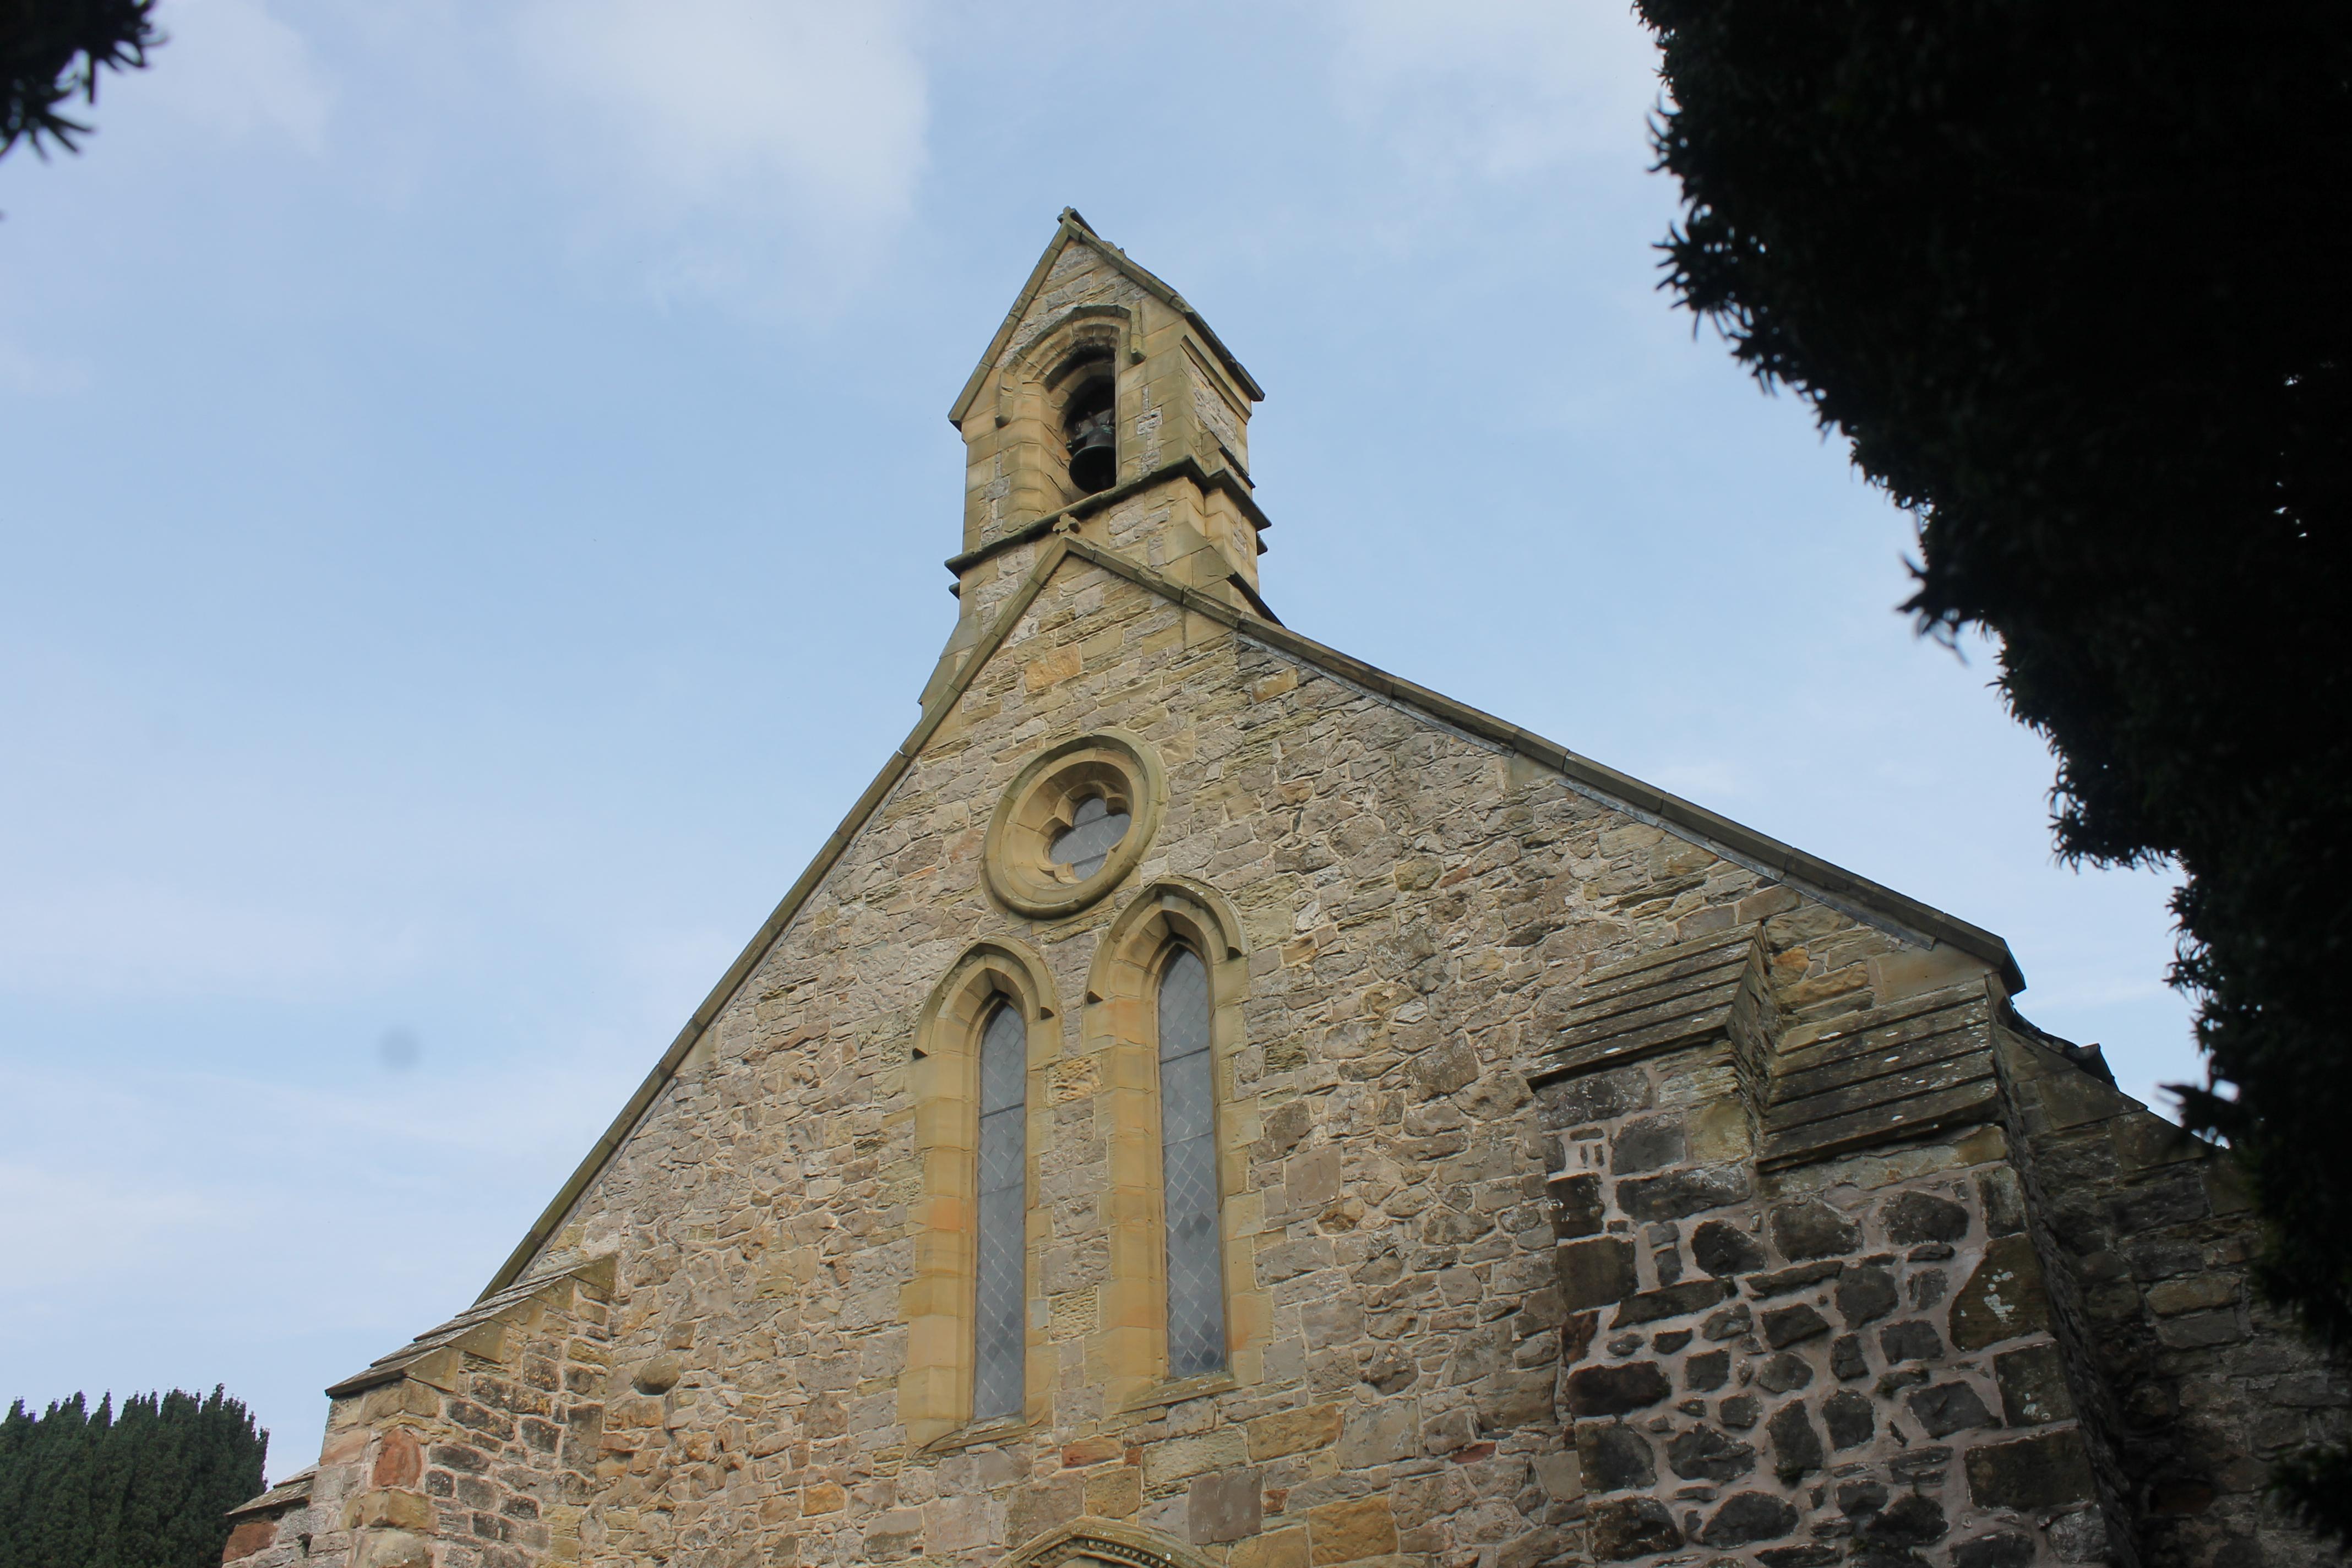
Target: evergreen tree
column 148, row 1487
column 2061, row 274
column 51, row 52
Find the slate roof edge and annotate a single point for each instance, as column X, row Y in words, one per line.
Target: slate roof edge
column 1783, row 862
column 295, row 1488
column 598, row 1273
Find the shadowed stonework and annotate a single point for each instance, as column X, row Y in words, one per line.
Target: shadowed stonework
column 1568, row 1174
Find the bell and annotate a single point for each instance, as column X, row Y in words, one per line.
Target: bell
column 1094, row 452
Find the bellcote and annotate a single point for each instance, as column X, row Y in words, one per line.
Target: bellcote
column 1105, row 405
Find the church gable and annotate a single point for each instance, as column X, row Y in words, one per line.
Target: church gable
column 1213, row 1103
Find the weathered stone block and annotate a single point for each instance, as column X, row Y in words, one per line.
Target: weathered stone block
column 1650, row 1144
column 2002, row 1299
column 1632, row 1526
column 1275, row 1549
column 1914, row 1218
column 1224, row 1507
column 2002, row 1549
column 1680, row 1192
column 1703, row 1454
column 1793, row 1325
column 1850, row 1418
column 1707, row 1369
column 1615, row 1390
column 1378, row 1434
column 1673, row 1301
column 1180, row 1459
column 1911, row 1521
column 1727, row 1325
column 1115, row 1493
column 1781, row 1281
column 1350, row 1531
column 1747, row 1518
column 2199, row 1330
column 2003, row 1197
column 1613, row 1456
column 1292, row 1432
column 1597, row 1097
column 1795, row 1446
column 658, row 1373
column 2032, row 1383
column 1812, row 1229
column 1597, row 1272
column 2030, row 1473
column 1910, row 1341
column 1035, row 1509
column 1723, row 1250
column 1576, row 1205
column 388, row 1510
column 391, row 1549
column 1865, row 1295
column 2198, row 1292
column 1949, row 1407
column 249, row 1538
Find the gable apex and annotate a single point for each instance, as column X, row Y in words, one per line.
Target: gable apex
column 1071, row 229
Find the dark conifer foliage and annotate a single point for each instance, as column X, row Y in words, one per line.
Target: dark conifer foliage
column 148, row 1487
column 2068, row 277
column 51, row 52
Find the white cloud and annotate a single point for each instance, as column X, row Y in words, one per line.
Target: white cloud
column 233, row 68
column 1496, row 88
column 762, row 146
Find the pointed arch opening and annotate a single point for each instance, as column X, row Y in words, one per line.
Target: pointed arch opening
column 1191, row 1197
column 981, row 1044
column 1164, row 1009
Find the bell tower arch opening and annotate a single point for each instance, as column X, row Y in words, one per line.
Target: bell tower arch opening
column 1088, row 382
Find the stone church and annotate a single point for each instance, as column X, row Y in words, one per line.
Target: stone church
column 1213, row 1103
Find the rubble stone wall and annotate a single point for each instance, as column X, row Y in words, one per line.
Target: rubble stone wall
column 1848, row 1357
column 471, row 1449
column 1418, row 907
column 2152, row 1232
column 1661, row 1310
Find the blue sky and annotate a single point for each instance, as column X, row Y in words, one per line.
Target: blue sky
column 477, row 483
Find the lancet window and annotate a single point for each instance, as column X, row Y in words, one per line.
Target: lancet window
column 998, row 1286
column 1188, row 1152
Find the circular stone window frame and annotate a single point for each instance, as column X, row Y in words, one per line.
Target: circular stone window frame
column 1037, row 806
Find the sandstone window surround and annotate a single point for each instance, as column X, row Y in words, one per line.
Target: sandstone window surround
column 1176, row 928
column 1085, row 364
column 1079, row 789
column 1106, row 1544
column 1001, row 983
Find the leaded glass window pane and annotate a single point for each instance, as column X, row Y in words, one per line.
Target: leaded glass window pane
column 998, row 1337
column 1094, row 832
column 1188, row 1125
